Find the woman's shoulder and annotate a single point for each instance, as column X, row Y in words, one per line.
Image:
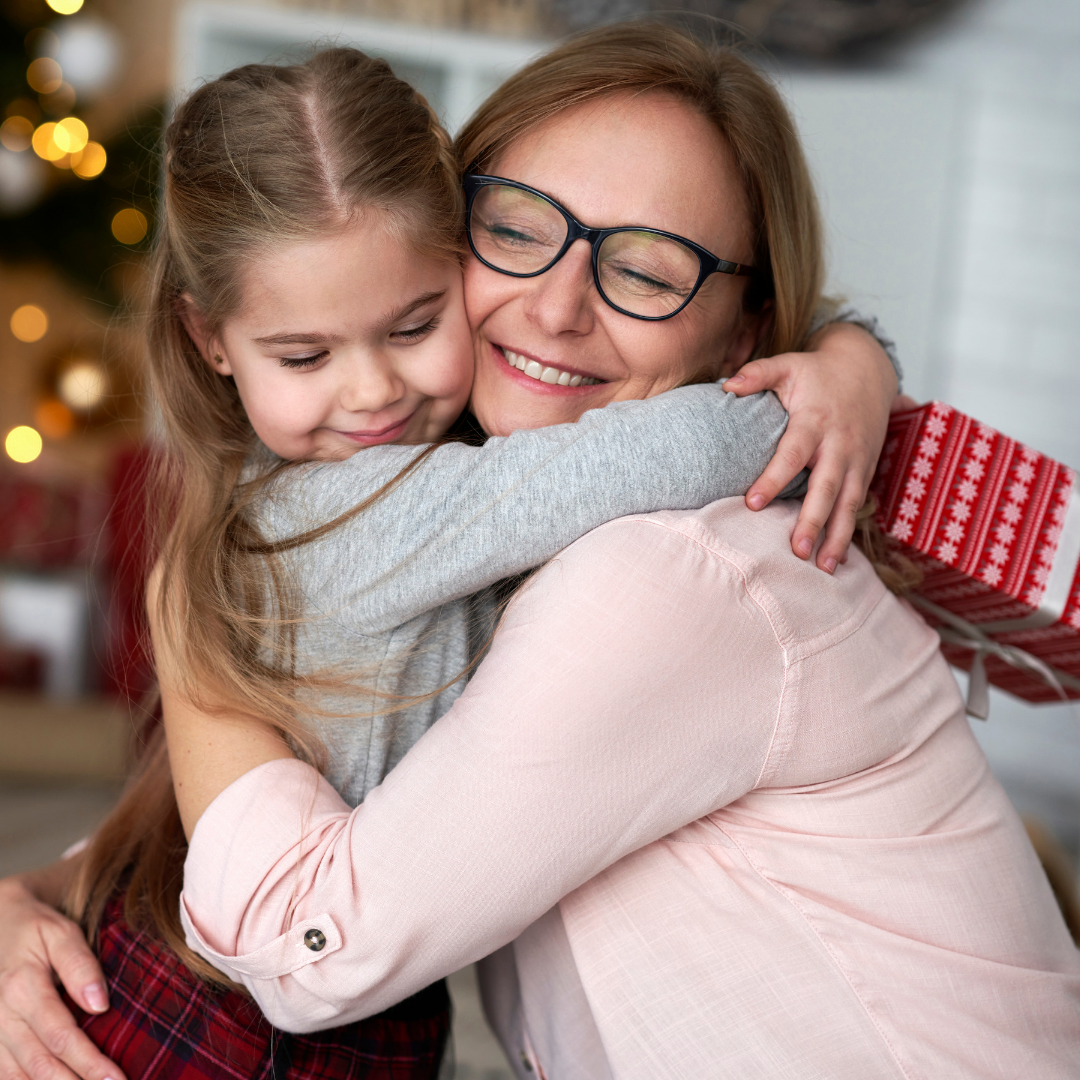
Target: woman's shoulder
column 801, row 602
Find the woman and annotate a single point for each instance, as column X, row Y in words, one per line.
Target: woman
column 131, row 866
column 547, row 322
column 726, row 811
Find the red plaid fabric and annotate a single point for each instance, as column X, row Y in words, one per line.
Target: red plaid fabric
column 164, row 1024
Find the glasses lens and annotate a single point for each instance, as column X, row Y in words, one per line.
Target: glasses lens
column 514, row 230
column 647, row 274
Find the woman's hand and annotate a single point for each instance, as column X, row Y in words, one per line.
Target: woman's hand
column 838, row 396
column 39, row 1038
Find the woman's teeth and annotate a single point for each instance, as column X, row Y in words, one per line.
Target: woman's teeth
column 552, row 375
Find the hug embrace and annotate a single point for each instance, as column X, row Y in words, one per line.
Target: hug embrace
column 480, row 636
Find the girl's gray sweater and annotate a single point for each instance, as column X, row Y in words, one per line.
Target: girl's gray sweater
column 389, row 596
column 399, row 596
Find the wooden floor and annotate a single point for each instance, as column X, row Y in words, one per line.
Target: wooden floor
column 39, row 819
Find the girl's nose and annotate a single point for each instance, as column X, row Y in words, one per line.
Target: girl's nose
column 371, row 385
column 561, row 300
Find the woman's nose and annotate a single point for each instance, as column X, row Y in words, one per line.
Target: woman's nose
column 371, row 385
column 561, row 299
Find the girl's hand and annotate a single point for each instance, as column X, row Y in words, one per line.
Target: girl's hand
column 838, row 396
column 39, row 1038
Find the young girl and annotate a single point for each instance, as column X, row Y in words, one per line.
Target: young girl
column 308, row 303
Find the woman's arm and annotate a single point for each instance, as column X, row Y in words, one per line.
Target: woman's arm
column 615, row 706
column 39, row 1038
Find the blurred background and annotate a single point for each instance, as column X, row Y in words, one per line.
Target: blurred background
column 945, row 136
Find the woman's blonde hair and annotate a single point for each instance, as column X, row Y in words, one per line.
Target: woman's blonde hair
column 261, row 156
column 718, row 82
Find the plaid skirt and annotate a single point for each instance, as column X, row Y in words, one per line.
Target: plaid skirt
column 164, row 1024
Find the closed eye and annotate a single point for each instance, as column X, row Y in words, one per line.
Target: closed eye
column 415, row 333
column 301, row 362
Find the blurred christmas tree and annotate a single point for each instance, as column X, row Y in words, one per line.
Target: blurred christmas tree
column 58, row 206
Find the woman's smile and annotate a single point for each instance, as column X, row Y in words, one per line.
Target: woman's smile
column 546, row 376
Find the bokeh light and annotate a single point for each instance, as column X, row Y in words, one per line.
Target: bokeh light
column 29, row 323
column 89, row 162
column 88, row 52
column 71, row 135
column 44, row 75
column 15, row 133
column 54, row 419
column 45, row 145
column 23, row 444
column 65, row 7
column 129, row 226
column 83, row 386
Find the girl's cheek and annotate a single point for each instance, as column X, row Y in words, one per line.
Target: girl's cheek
column 450, row 367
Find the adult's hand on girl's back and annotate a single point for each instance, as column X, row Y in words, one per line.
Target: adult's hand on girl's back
column 838, row 396
column 39, row 1038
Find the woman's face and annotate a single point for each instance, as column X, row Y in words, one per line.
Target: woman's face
column 646, row 160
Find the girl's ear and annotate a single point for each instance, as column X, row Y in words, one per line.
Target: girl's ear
column 208, row 346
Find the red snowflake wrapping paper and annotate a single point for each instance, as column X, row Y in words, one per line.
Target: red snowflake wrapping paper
column 995, row 527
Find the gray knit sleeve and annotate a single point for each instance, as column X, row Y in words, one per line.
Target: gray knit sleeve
column 830, row 312
column 468, row 516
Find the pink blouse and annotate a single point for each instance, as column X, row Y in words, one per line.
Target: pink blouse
column 713, row 812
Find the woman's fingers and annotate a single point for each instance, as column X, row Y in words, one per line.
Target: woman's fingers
column 9, row 1067
column 22, row 1054
column 42, row 1036
column 75, row 965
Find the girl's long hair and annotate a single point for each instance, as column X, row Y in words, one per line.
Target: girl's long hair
column 717, row 81
column 259, row 157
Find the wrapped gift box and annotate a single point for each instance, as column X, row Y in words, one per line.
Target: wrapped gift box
column 995, row 528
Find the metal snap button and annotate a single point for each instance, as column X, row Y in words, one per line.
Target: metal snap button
column 315, row 940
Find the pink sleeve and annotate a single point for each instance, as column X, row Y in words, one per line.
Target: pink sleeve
column 613, row 708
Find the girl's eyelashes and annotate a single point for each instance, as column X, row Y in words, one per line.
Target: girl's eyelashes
column 407, row 335
column 414, row 333
column 309, row 360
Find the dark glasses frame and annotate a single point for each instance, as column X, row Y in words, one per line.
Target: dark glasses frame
column 708, row 263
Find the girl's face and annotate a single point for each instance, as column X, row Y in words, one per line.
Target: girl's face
column 644, row 160
column 346, row 341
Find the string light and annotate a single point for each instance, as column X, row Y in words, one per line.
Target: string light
column 44, row 144
column 83, row 386
column 65, row 7
column 71, row 135
column 15, row 133
column 54, row 419
column 44, row 75
column 23, row 444
column 129, row 226
column 89, row 162
column 29, row 323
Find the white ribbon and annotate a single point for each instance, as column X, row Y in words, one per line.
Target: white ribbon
column 958, row 631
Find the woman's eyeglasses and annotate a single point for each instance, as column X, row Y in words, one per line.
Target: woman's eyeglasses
column 643, row 273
